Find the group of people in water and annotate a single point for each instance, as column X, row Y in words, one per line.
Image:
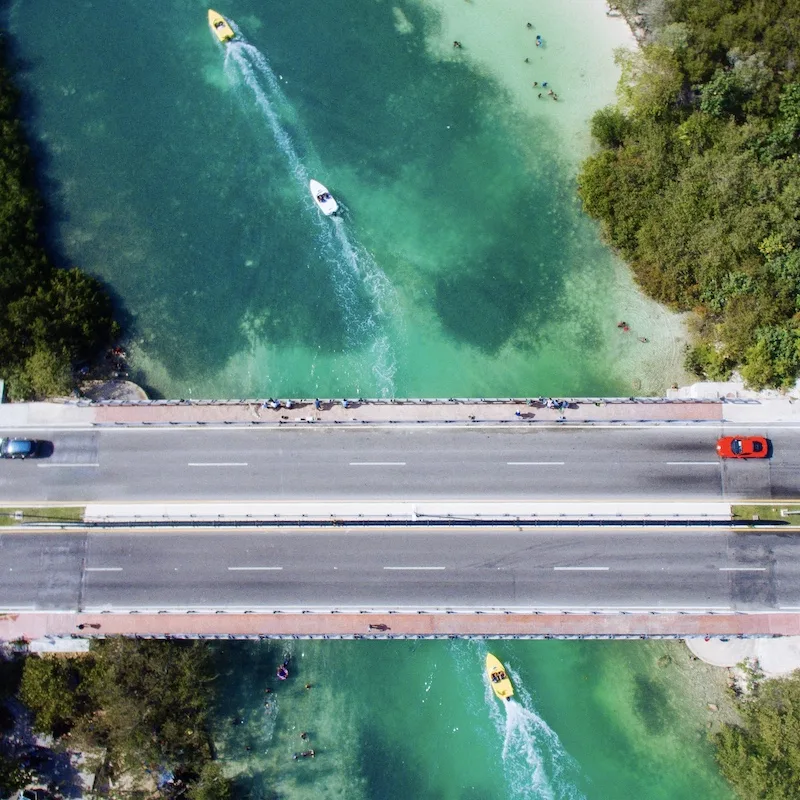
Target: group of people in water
column 282, row 674
column 544, row 85
column 625, row 328
column 539, row 42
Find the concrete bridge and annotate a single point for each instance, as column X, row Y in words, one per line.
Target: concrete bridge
column 594, row 463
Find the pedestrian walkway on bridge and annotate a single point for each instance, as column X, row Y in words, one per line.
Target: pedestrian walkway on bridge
column 28, row 625
column 380, row 412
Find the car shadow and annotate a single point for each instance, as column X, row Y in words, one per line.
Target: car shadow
column 45, row 449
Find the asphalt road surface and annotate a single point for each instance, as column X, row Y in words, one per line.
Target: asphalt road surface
column 380, row 569
column 401, row 463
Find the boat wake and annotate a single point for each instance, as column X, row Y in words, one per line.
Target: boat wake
column 364, row 293
column 535, row 762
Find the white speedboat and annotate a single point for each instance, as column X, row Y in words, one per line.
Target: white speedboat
column 323, row 198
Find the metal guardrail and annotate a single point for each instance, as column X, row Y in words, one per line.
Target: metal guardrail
column 405, row 521
column 379, row 401
column 421, row 636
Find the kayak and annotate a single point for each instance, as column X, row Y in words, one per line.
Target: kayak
column 220, row 26
column 499, row 680
column 323, row 198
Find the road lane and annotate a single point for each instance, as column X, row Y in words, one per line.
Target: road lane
column 352, row 568
column 411, row 464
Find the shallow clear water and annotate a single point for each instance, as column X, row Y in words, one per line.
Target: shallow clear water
column 462, row 265
column 417, row 719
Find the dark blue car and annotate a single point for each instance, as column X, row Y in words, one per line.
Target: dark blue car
column 18, row 448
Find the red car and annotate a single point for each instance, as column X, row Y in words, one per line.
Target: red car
column 742, row 447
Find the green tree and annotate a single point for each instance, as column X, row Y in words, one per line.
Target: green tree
column 46, row 314
column 774, row 359
column 155, row 697
column 78, row 312
column 44, row 374
column 609, row 126
column 651, row 80
column 784, row 140
column 761, row 758
column 13, row 776
column 708, row 362
column 211, row 785
column 700, row 191
column 721, row 96
column 48, row 690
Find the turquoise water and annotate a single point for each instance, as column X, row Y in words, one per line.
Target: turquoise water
column 462, row 265
column 418, row 720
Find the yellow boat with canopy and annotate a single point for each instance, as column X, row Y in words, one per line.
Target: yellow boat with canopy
column 498, row 679
column 220, row 26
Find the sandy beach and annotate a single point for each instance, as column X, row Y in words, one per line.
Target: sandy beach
column 776, row 657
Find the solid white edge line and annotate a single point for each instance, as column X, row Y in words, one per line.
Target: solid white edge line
column 103, row 569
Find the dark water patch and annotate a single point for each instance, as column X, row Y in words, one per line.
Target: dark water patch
column 391, row 769
column 651, row 703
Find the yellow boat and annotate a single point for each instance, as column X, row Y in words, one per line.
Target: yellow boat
column 500, row 682
column 220, row 26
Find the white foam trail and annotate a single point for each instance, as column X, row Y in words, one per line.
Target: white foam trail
column 536, row 765
column 241, row 55
column 354, row 270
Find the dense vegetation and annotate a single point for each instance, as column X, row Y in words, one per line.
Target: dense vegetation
column 761, row 758
column 13, row 774
column 142, row 705
column 49, row 318
column 697, row 182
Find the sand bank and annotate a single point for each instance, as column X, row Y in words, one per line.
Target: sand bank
column 575, row 57
column 776, row 657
